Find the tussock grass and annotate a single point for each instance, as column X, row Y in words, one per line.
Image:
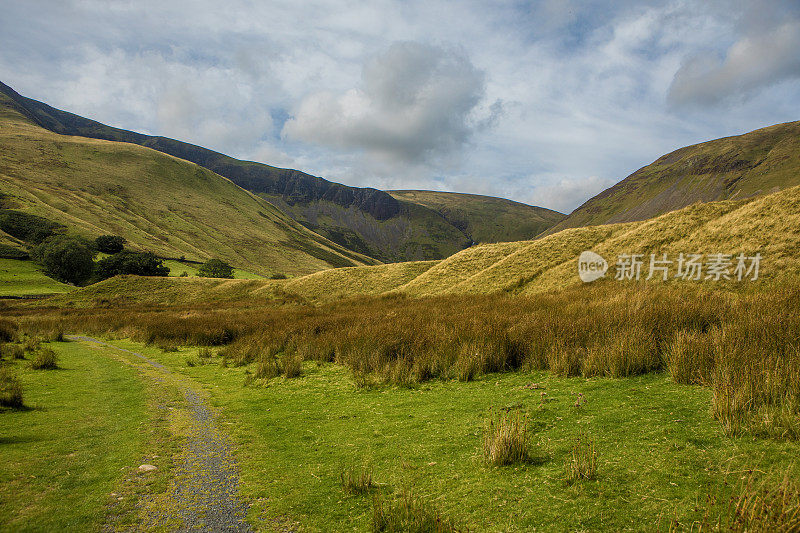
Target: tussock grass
column 291, row 365
column 506, row 437
column 12, row 351
column 410, row 514
column 10, row 388
column 31, row 343
column 769, row 505
column 690, row 357
column 356, row 480
column 44, row 358
column 8, row 330
column 581, row 463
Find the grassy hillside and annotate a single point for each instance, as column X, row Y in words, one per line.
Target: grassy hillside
column 23, row 278
column 414, row 233
column 157, row 202
column 756, row 163
column 485, row 218
column 765, row 224
column 366, row 220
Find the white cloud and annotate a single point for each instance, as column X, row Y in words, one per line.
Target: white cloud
column 751, row 63
column 414, row 105
column 566, row 193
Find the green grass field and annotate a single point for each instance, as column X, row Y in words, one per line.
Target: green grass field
column 400, row 401
column 176, row 268
column 23, row 278
column 661, row 457
column 62, row 456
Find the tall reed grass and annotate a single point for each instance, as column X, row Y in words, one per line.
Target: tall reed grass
column 743, row 345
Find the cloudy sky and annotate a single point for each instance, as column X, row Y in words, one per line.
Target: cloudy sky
column 545, row 102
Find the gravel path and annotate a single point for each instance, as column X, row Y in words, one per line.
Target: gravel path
column 203, row 493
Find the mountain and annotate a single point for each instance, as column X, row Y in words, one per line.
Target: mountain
column 366, row 220
column 756, row 163
column 485, row 218
column 765, row 224
column 156, row 201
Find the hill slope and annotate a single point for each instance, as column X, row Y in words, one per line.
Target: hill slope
column 366, row 220
column 737, row 167
column 765, row 224
column 157, row 202
column 485, row 218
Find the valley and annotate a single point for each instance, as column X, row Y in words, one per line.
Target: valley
column 391, row 360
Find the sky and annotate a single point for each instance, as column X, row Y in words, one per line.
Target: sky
column 544, row 102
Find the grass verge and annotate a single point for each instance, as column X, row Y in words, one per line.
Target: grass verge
column 61, row 456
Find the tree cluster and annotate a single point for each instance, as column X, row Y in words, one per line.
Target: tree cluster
column 71, row 259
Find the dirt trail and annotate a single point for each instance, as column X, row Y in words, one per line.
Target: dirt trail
column 203, row 493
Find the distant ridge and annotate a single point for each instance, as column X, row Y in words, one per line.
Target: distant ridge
column 365, row 220
column 157, row 202
column 742, row 166
column 766, row 225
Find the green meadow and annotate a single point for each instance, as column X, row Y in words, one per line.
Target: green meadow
column 662, row 461
column 24, row 278
column 83, row 426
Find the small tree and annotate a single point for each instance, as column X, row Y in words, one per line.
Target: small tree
column 110, row 244
column 215, row 268
column 67, row 259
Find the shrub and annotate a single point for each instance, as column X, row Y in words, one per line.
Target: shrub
column 356, row 480
column 582, row 459
column 409, row 514
column 27, row 227
column 129, row 262
column 8, row 330
column 10, row 388
column 292, row 365
column 215, row 268
column 44, row 359
column 110, row 244
column 12, row 351
column 278, row 275
column 505, row 437
column 66, row 259
column 8, row 251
